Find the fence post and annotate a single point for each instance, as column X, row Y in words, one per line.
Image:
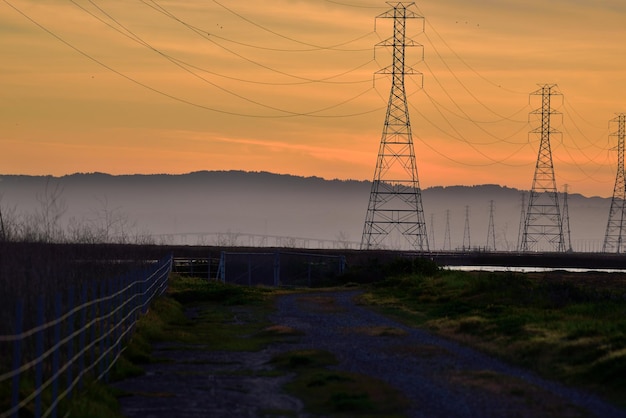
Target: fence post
column 81, row 340
column 58, row 302
column 101, row 322
column 17, row 356
column 95, row 323
column 109, row 288
column 221, row 270
column 38, row 354
column 71, row 303
column 119, row 306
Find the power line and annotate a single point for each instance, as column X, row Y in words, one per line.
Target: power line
column 461, row 138
column 360, row 6
column 469, row 66
column 303, row 80
column 189, row 102
column 472, row 95
column 280, row 35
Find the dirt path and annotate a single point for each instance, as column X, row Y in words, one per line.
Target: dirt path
column 438, row 377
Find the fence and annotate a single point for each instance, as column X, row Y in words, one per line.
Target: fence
column 80, row 335
column 280, row 268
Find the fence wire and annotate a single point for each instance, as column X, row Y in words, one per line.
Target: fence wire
column 82, row 337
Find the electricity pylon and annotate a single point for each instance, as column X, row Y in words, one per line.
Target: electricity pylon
column 447, row 244
column 395, row 205
column 522, row 220
column 432, row 231
column 613, row 239
column 491, row 231
column 467, row 239
column 543, row 227
column 567, row 235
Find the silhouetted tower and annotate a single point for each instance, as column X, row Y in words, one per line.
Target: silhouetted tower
column 395, row 205
column 565, row 217
column 614, row 237
column 491, row 231
column 467, row 240
column 447, row 245
column 522, row 219
column 543, row 228
column 431, row 235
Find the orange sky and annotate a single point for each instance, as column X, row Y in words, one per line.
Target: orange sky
column 177, row 86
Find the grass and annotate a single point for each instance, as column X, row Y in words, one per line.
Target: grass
column 224, row 317
column 333, row 393
column 232, row 318
column 570, row 328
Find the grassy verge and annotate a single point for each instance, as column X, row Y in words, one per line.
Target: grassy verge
column 193, row 313
column 214, row 316
column 565, row 326
column 333, row 393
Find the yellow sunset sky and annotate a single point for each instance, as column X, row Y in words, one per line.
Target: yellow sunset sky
column 286, row 86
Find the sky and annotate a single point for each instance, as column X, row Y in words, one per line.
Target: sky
column 289, row 87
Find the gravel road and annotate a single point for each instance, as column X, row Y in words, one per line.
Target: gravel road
column 440, row 378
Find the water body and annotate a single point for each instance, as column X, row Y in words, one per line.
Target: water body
column 532, row 269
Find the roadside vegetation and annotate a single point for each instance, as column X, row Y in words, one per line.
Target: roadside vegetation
column 210, row 315
column 566, row 327
column 570, row 327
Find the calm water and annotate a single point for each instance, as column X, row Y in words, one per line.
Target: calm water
column 531, row 269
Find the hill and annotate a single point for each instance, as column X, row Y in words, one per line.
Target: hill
column 202, row 204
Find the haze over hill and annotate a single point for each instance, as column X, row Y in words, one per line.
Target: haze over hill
column 202, row 204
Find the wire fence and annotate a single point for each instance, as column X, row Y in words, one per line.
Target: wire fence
column 279, row 268
column 76, row 334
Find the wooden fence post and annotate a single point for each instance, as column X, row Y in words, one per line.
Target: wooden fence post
column 56, row 354
column 71, row 304
column 83, row 333
column 17, row 356
column 38, row 353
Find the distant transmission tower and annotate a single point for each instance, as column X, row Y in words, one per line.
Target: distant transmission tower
column 395, row 205
column 522, row 220
column 467, row 240
column 567, row 237
column 491, row 231
column 447, row 245
column 431, row 235
column 543, row 229
column 614, row 237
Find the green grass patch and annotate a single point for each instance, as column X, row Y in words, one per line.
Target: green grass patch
column 195, row 313
column 97, row 401
column 334, row 393
column 565, row 326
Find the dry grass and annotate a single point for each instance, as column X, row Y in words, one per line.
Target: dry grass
column 376, row 331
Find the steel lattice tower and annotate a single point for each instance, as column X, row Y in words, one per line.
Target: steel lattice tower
column 543, row 227
column 491, row 230
column 432, row 230
column 522, row 220
column 466, row 232
column 395, row 204
column 567, row 234
column 613, row 239
column 447, row 244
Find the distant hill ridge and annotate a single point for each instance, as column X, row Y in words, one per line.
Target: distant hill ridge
column 287, row 205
